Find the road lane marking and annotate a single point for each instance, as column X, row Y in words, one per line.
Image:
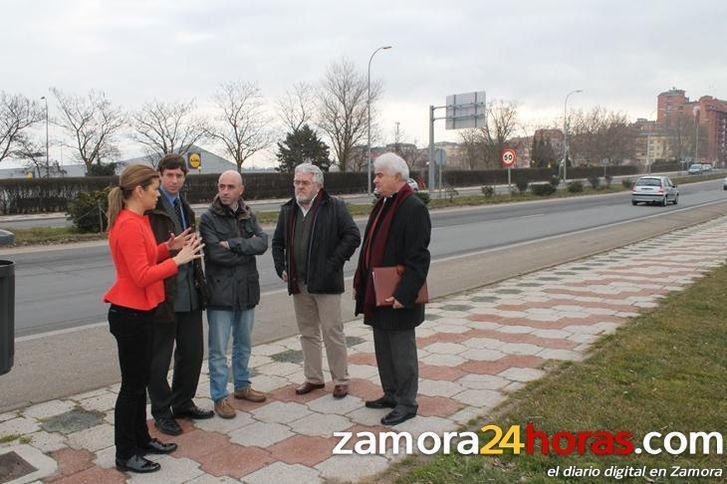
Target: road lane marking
column 434, row 261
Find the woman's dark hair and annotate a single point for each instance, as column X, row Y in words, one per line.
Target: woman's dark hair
column 133, row 176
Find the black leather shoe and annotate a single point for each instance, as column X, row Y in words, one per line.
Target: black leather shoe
column 193, row 412
column 382, row 402
column 167, row 425
column 154, row 446
column 137, row 463
column 308, row 387
column 396, row 417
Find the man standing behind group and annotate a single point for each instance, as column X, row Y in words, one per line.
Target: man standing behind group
column 397, row 234
column 179, row 317
column 314, row 237
column 232, row 238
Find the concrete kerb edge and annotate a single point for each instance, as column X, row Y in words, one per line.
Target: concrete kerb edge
column 574, row 259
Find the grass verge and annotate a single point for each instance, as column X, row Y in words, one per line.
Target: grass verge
column 664, row 371
column 51, row 235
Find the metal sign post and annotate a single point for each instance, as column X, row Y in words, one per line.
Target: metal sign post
column 509, row 158
column 430, row 185
column 467, row 110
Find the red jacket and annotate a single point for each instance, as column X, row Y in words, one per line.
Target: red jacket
column 139, row 273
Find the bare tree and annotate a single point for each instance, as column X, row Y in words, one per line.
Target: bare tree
column 502, row 122
column 473, row 148
column 242, row 127
column 33, row 155
column 16, row 114
column 682, row 133
column 600, row 135
column 679, row 130
column 482, row 147
column 297, row 106
column 342, row 108
column 92, row 122
column 357, row 160
column 167, row 127
column 413, row 156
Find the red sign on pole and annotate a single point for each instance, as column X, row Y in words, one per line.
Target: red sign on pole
column 509, row 157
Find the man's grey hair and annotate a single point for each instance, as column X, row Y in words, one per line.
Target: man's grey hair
column 392, row 164
column 311, row 168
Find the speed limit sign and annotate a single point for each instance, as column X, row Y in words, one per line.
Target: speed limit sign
column 509, row 157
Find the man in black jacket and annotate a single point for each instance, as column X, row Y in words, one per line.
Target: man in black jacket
column 397, row 234
column 179, row 317
column 233, row 238
column 314, row 237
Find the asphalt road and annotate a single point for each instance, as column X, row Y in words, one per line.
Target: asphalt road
column 59, row 220
column 62, row 288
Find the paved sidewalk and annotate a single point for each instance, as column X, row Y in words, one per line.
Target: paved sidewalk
column 475, row 348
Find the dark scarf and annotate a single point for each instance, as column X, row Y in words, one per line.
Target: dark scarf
column 375, row 247
column 313, row 212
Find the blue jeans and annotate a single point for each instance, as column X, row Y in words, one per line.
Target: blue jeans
column 221, row 323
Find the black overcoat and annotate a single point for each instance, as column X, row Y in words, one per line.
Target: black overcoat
column 407, row 245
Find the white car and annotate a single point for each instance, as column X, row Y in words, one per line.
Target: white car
column 654, row 190
column 696, row 169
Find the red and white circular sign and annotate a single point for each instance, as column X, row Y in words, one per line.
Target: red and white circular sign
column 509, row 157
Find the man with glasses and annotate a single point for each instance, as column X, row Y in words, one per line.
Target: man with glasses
column 314, row 237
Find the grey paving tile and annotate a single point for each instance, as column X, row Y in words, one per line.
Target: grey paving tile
column 289, row 356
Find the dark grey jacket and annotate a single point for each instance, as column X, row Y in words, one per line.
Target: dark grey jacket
column 232, row 276
column 334, row 238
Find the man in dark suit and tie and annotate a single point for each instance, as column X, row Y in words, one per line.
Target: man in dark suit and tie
column 179, row 317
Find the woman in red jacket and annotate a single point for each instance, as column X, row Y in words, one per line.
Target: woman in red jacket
column 141, row 267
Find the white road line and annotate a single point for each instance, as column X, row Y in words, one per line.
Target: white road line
column 435, row 261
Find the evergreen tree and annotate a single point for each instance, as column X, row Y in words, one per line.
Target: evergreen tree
column 300, row 146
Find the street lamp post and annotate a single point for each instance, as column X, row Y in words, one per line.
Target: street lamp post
column 565, row 134
column 47, row 157
column 368, row 108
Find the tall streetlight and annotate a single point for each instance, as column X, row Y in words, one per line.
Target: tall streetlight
column 47, row 158
column 368, row 107
column 565, row 133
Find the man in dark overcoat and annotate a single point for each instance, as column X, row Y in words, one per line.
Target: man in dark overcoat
column 397, row 234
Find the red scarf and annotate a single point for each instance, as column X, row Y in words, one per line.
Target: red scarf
column 375, row 246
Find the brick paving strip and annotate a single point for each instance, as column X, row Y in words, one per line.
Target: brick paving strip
column 474, row 349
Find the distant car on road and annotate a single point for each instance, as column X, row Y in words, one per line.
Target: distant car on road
column 724, row 184
column 706, row 168
column 696, row 169
column 413, row 184
column 654, row 189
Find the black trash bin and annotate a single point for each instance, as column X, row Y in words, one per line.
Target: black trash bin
column 7, row 315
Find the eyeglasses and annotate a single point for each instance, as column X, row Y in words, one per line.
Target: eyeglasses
column 304, row 183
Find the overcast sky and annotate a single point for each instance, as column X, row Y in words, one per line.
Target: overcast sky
column 621, row 53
